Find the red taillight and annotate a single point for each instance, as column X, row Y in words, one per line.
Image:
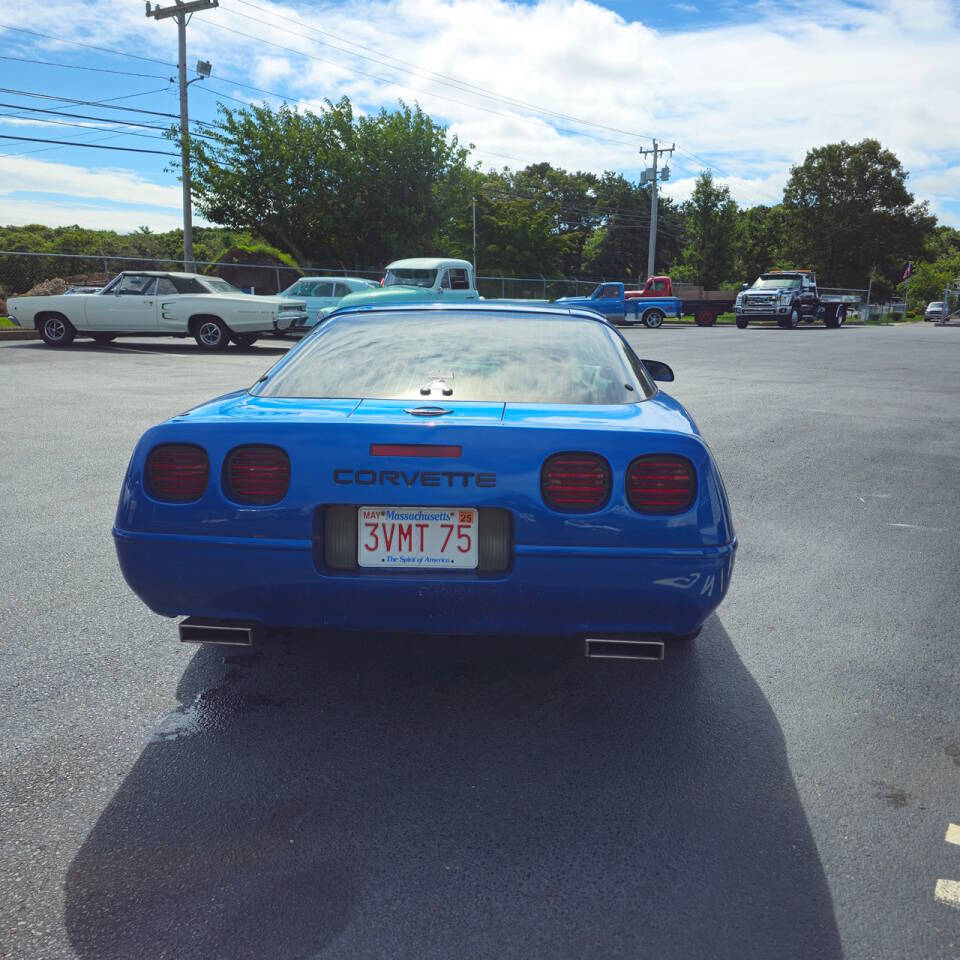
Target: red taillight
column 257, row 475
column 415, row 450
column 177, row 472
column 661, row 484
column 575, row 482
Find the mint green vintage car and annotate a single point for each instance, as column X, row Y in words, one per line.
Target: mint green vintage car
column 419, row 280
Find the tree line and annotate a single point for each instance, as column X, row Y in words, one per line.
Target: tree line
column 334, row 188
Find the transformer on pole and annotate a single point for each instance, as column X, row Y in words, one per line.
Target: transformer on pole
column 182, row 12
column 650, row 176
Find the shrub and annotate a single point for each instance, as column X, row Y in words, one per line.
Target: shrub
column 49, row 288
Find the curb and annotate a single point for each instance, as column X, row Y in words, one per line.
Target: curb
column 6, row 333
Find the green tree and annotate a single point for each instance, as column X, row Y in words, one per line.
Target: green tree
column 329, row 186
column 848, row 210
column 758, row 242
column 710, row 216
column 406, row 173
column 286, row 175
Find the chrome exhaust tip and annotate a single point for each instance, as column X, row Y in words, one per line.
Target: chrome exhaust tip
column 226, row 632
column 603, row 649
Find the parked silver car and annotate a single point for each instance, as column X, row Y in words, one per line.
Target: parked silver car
column 934, row 310
column 322, row 294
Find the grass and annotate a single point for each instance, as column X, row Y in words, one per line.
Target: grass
column 729, row 318
column 6, row 322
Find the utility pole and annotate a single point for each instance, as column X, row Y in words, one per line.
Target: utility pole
column 474, row 241
column 650, row 176
column 908, row 270
column 183, row 12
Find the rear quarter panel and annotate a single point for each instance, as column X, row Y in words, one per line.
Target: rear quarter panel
column 244, row 314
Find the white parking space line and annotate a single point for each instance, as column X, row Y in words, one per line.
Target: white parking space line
column 915, row 526
column 953, row 834
column 948, row 892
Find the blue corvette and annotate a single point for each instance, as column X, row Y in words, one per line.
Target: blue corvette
column 436, row 468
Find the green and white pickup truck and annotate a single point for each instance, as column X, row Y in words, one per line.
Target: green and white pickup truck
column 419, row 280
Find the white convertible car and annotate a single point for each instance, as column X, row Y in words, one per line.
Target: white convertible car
column 152, row 303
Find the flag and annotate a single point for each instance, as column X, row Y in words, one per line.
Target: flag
column 907, row 270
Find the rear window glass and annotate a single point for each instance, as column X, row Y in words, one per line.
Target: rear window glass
column 189, row 285
column 493, row 357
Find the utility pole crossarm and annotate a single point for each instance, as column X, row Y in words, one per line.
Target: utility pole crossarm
column 192, row 6
column 652, row 175
column 181, row 12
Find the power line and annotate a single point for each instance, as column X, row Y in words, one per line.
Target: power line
column 729, row 176
column 73, row 143
column 287, row 97
column 438, row 96
column 79, row 116
column 76, row 66
column 104, row 101
column 424, row 73
column 94, row 103
column 87, row 126
column 96, row 146
column 86, row 116
column 89, row 46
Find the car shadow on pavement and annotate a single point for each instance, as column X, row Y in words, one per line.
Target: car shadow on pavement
column 375, row 797
column 266, row 348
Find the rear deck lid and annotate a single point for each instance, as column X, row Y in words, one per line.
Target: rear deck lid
column 427, row 410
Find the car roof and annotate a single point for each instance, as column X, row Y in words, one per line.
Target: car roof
column 428, row 263
column 333, row 276
column 473, row 307
column 169, row 273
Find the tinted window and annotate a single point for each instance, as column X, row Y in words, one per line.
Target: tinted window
column 165, row 287
column 492, row 357
column 459, row 280
column 340, row 289
column 609, row 291
column 189, row 285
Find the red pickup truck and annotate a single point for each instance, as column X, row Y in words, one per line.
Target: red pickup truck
column 704, row 305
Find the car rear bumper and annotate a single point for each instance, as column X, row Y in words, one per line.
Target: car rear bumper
column 549, row 591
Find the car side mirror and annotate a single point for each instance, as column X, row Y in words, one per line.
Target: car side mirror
column 659, row 370
column 744, row 286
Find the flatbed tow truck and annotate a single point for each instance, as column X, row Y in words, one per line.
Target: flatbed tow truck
column 791, row 297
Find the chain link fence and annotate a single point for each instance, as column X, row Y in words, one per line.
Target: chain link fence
column 22, row 269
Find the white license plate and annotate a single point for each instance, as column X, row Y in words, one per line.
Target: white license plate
column 417, row 537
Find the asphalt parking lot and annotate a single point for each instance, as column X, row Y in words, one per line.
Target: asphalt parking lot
column 780, row 788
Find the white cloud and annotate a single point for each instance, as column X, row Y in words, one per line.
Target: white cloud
column 56, row 212
column 751, row 97
column 27, row 174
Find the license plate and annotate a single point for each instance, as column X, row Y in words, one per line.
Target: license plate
column 417, row 537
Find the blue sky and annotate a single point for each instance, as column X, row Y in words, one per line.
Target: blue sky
column 743, row 89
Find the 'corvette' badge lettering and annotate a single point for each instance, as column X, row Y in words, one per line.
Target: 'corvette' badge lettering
column 413, row 478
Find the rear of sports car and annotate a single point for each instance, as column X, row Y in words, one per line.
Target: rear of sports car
column 451, row 471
